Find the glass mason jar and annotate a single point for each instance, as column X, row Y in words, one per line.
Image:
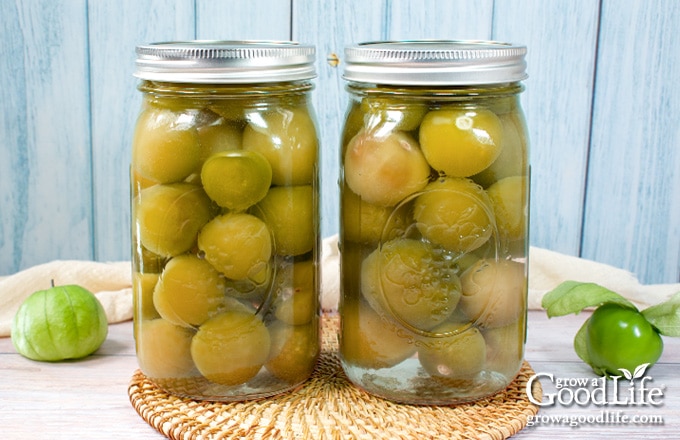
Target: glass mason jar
column 434, row 209
column 225, row 218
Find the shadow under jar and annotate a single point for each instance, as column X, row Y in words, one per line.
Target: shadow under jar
column 225, row 218
column 434, row 196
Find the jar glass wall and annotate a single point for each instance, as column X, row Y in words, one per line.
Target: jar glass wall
column 225, row 229
column 434, row 206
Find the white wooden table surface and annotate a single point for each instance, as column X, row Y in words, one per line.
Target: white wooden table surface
column 88, row 399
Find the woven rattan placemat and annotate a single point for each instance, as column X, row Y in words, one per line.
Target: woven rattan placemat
column 327, row 406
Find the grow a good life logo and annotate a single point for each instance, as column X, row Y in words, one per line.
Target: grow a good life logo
column 607, row 394
column 600, row 391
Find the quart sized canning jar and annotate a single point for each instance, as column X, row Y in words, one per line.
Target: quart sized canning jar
column 225, row 218
column 434, row 203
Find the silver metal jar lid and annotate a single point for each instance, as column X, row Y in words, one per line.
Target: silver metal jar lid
column 435, row 62
column 225, row 61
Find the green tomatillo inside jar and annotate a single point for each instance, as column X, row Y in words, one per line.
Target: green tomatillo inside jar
column 434, row 196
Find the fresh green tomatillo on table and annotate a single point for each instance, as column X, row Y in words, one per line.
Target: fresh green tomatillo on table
column 59, row 323
column 617, row 338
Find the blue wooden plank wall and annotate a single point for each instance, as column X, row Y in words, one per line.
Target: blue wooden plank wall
column 602, row 103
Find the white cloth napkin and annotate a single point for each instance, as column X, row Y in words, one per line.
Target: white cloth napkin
column 111, row 282
column 547, row 269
